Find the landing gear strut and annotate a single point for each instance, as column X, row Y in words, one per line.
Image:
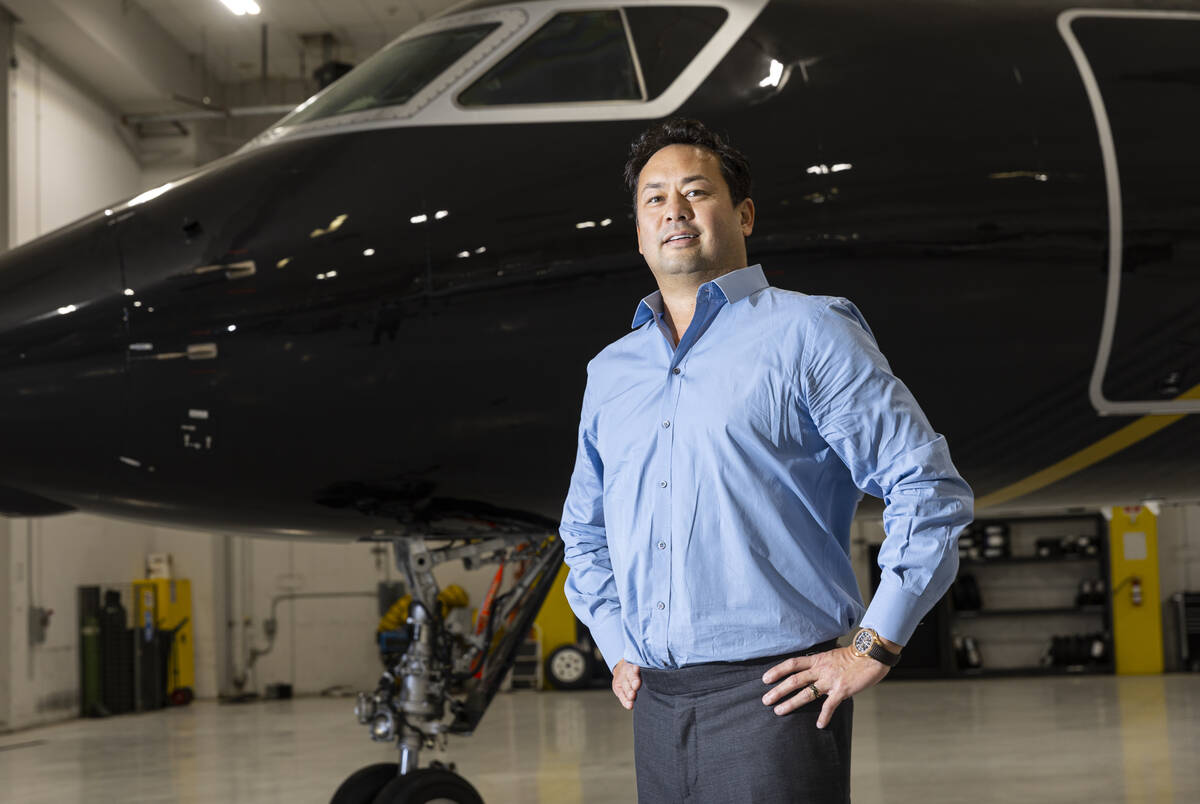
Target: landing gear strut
column 443, row 682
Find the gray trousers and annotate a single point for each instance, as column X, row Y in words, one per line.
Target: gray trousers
column 702, row 735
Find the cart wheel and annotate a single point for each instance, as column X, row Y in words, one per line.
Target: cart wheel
column 569, row 668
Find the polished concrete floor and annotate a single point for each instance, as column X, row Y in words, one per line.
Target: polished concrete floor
column 1097, row 739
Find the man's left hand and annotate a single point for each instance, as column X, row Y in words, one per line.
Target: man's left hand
column 838, row 674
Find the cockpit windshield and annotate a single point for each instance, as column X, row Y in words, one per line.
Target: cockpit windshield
column 394, row 75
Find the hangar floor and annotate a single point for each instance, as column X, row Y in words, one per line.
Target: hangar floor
column 1097, row 739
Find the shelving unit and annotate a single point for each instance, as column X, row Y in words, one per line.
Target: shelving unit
column 1088, row 611
column 1026, row 601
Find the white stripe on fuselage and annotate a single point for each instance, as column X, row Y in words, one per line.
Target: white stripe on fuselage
column 435, row 104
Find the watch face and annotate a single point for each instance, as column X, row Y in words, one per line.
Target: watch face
column 863, row 641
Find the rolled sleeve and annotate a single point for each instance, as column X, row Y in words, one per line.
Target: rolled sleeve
column 871, row 420
column 591, row 588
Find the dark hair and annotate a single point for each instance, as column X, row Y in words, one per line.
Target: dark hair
column 735, row 168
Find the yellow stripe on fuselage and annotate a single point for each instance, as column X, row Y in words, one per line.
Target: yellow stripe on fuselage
column 1111, row 444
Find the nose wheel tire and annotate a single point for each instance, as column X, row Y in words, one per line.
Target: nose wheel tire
column 428, row 786
column 362, row 786
column 569, row 668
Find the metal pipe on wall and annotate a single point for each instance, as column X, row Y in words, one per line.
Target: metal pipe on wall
column 271, row 626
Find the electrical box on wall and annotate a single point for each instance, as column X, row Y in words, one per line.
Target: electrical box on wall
column 164, row 606
column 39, row 623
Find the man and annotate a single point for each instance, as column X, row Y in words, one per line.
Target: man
column 724, row 445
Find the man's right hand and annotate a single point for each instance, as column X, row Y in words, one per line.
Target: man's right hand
column 627, row 678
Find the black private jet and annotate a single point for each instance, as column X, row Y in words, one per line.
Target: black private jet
column 372, row 321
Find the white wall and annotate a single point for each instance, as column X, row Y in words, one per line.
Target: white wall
column 321, row 643
column 45, row 560
column 67, row 156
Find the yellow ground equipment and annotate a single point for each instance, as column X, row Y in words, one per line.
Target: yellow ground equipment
column 452, row 597
column 164, row 606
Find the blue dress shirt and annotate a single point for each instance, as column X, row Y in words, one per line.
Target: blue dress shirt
column 708, row 516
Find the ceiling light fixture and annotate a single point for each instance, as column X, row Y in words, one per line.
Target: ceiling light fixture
column 242, row 7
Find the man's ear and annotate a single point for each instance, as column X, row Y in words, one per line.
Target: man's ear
column 637, row 231
column 745, row 212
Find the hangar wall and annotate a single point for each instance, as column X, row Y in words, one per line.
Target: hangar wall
column 66, row 154
column 45, row 561
column 322, row 645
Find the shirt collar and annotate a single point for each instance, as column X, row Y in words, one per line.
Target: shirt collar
column 735, row 286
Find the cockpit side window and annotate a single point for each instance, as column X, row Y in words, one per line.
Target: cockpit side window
column 667, row 38
column 577, row 56
column 394, row 75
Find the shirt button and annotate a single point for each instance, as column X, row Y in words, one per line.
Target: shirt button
column 667, row 423
column 662, row 545
column 676, row 370
column 661, row 605
column 662, row 484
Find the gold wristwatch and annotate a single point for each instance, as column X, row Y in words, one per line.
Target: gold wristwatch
column 866, row 644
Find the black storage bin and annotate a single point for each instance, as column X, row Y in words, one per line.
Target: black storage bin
column 1187, row 619
column 152, row 670
column 116, row 686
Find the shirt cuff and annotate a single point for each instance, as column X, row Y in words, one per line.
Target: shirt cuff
column 894, row 613
column 609, row 636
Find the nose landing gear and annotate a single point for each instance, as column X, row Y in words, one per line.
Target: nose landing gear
column 445, row 680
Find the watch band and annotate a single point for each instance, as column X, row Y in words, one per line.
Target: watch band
column 866, row 644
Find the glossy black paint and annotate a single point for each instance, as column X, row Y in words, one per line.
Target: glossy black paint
column 415, row 383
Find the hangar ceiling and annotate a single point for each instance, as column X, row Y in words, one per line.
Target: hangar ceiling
column 232, row 45
column 142, row 56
